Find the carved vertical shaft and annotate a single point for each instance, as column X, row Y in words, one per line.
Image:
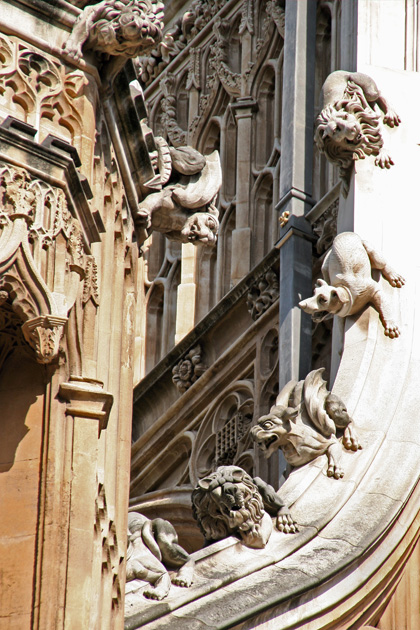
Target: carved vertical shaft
column 296, row 186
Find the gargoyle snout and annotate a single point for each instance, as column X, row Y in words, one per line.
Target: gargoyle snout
column 303, row 305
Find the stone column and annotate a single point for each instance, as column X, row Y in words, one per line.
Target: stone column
column 244, row 109
column 185, row 311
column 88, row 407
column 295, row 242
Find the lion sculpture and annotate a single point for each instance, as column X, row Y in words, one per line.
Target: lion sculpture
column 230, row 502
column 349, row 125
column 184, row 209
column 152, row 549
column 305, row 422
column 118, row 29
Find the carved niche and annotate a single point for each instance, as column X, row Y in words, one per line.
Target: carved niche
column 348, row 127
column 36, row 229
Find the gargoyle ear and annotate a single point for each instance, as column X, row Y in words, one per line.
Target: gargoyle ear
column 237, row 474
column 321, row 283
column 205, row 483
column 291, row 413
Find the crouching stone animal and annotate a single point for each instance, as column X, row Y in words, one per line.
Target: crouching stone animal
column 305, row 423
column 230, row 502
column 152, row 549
column 348, row 285
column 348, row 127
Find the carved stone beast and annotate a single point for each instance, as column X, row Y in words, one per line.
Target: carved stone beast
column 230, row 502
column 152, row 549
column 304, row 423
column 120, row 29
column 348, row 127
column 184, row 209
column 348, row 285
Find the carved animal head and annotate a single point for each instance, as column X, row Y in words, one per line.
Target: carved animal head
column 349, row 129
column 341, row 127
column 200, row 227
column 228, row 502
column 326, row 301
column 272, row 430
column 134, row 28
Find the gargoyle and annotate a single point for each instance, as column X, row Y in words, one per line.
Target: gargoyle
column 304, row 424
column 230, row 502
column 152, row 549
column 184, row 209
column 348, row 127
column 348, row 285
column 120, row 29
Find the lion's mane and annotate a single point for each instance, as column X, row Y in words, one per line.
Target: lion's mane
column 208, row 496
column 371, row 141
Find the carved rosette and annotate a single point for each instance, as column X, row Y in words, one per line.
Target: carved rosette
column 189, row 369
column 44, row 335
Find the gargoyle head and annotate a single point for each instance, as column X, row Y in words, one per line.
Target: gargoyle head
column 272, row 430
column 200, row 227
column 326, row 301
column 228, row 502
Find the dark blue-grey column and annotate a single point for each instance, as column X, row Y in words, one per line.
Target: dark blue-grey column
column 296, row 188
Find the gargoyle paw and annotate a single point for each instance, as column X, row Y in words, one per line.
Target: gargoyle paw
column 75, row 52
column 155, row 593
column 391, row 330
column 334, row 470
column 143, row 218
column 384, row 160
column 184, row 577
column 395, row 280
column 351, row 439
column 286, row 524
column 391, row 118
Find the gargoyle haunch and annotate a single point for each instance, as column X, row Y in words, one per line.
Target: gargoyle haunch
column 120, row 29
column 152, row 549
column 230, row 502
column 348, row 127
column 348, row 285
column 304, row 423
column 184, row 210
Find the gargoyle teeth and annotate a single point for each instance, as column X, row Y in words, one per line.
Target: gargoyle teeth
column 269, row 441
column 319, row 316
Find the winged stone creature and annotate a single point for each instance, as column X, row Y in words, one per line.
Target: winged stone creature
column 305, row 423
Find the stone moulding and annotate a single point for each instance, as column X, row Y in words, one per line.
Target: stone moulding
column 34, row 211
column 86, row 398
